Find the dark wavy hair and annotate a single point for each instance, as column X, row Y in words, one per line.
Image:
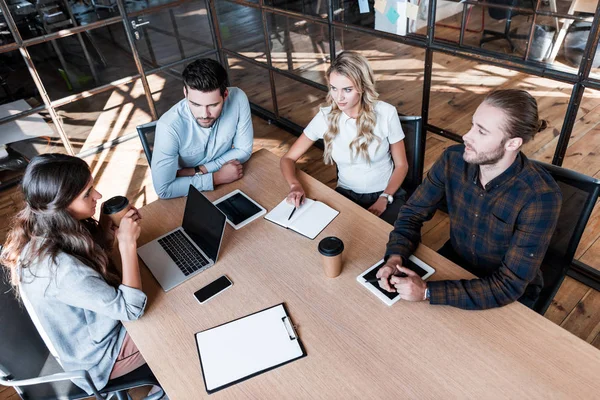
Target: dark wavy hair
column 205, row 75
column 50, row 184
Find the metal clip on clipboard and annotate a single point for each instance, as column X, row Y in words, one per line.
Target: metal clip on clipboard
column 289, row 327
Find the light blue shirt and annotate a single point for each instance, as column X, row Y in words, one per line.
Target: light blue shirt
column 181, row 142
column 80, row 314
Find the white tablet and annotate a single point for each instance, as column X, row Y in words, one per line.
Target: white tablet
column 239, row 208
column 389, row 298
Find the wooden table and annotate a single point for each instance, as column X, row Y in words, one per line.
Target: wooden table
column 357, row 346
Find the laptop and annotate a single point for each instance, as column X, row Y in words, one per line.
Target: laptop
column 190, row 249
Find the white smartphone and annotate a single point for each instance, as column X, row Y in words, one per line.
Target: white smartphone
column 367, row 278
column 212, row 289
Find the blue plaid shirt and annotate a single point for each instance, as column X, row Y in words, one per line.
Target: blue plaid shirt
column 502, row 231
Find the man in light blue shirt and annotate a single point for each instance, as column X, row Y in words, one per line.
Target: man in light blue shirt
column 204, row 139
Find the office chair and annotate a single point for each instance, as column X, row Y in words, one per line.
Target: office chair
column 502, row 14
column 28, row 366
column 414, row 143
column 146, row 133
column 579, row 195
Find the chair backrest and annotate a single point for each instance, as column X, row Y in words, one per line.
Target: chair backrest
column 579, row 195
column 146, row 133
column 414, row 143
column 23, row 353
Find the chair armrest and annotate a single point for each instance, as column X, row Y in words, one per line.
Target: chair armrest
column 6, row 379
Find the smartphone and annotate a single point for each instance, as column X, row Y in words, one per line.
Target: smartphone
column 212, row 289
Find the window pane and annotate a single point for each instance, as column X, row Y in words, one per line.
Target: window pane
column 253, row 80
column 80, row 62
column 106, row 116
column 37, row 18
column 309, row 7
column 582, row 156
column 299, row 46
column 174, row 34
column 132, row 6
column 16, row 82
column 391, row 17
column 241, row 29
column 460, row 85
column 44, row 140
column 398, row 68
column 296, row 101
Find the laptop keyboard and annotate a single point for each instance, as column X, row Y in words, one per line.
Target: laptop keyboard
column 185, row 255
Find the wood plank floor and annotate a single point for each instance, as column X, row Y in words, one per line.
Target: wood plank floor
column 124, row 170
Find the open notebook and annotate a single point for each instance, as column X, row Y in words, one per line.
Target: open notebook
column 308, row 220
column 246, row 347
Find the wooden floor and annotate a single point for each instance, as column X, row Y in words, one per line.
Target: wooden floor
column 124, row 170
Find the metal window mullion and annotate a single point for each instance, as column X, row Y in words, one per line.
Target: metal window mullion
column 331, row 30
column 22, row 114
column 592, row 44
column 70, row 31
column 463, row 23
column 532, row 30
column 213, row 22
column 36, row 78
column 136, row 57
column 8, row 47
column 267, row 42
column 568, row 124
column 428, row 66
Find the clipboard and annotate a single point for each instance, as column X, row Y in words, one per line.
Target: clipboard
column 248, row 346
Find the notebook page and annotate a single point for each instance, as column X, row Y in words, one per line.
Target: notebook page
column 282, row 211
column 246, row 346
column 314, row 220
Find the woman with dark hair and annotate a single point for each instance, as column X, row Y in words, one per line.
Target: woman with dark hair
column 57, row 254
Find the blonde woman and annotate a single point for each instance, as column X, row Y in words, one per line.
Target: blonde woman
column 362, row 135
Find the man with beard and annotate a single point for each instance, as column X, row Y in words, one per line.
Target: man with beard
column 203, row 139
column 503, row 210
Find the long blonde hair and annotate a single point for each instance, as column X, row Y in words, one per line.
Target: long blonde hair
column 355, row 67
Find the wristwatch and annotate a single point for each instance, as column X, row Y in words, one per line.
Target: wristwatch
column 426, row 294
column 197, row 170
column 389, row 197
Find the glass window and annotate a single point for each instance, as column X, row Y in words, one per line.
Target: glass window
column 16, row 84
column 299, row 46
column 253, row 80
column 296, row 101
column 106, row 116
column 308, row 7
column 46, row 139
column 458, row 87
column 386, row 16
column 138, row 5
column 241, row 29
column 174, row 34
column 80, row 62
column 398, row 68
column 41, row 17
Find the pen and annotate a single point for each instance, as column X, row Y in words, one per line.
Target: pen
column 375, row 280
column 294, row 210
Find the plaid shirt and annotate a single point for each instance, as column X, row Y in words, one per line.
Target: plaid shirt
column 502, row 231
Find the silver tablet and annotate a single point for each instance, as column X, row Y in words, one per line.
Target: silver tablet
column 389, row 298
column 239, row 208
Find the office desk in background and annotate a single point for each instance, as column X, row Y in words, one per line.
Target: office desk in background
column 357, row 347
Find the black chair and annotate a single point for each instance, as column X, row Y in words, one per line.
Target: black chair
column 507, row 15
column 28, row 366
column 414, row 143
column 146, row 133
column 580, row 193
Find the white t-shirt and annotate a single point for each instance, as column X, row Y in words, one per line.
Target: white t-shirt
column 358, row 175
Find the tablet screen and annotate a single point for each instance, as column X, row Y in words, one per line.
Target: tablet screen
column 392, row 295
column 238, row 208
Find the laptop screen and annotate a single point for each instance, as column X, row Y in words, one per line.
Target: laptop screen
column 204, row 223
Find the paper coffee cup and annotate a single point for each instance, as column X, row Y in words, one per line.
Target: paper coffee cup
column 331, row 249
column 115, row 208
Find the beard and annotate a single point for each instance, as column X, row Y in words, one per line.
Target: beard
column 485, row 158
column 206, row 123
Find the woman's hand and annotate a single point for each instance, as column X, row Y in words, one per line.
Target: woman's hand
column 296, row 196
column 129, row 230
column 379, row 206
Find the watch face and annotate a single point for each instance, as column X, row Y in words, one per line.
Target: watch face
column 390, row 199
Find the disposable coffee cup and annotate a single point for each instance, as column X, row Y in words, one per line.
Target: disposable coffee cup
column 331, row 249
column 115, row 208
